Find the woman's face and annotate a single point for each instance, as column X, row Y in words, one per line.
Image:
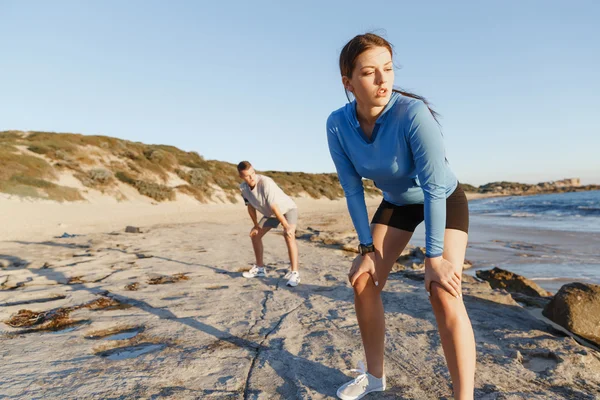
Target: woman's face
column 372, row 78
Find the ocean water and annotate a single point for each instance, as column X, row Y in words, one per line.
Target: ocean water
column 577, row 211
column 552, row 239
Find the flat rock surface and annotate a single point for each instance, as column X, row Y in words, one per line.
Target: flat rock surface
column 181, row 322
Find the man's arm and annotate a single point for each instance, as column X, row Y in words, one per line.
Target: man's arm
column 287, row 229
column 252, row 213
column 280, row 217
column 269, row 188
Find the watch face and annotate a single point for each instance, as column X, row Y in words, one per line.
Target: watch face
column 365, row 249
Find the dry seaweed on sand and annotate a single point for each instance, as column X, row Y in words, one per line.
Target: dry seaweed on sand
column 167, row 279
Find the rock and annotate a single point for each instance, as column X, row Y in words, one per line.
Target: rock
column 412, row 255
column 576, row 307
column 511, row 282
column 143, row 255
column 304, row 233
column 414, row 258
column 530, row 301
column 414, row 275
column 132, row 229
column 397, row 267
column 469, row 279
column 416, row 267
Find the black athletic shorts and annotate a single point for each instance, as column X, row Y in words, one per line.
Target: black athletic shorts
column 407, row 217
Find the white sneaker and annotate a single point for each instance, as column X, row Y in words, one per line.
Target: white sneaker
column 362, row 385
column 287, row 275
column 294, row 279
column 254, row 272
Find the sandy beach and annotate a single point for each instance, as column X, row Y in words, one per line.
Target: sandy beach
column 24, row 218
column 166, row 314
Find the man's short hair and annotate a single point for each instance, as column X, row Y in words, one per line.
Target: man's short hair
column 243, row 166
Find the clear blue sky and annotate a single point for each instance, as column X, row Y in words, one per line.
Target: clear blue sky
column 516, row 82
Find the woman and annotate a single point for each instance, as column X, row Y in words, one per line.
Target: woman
column 393, row 138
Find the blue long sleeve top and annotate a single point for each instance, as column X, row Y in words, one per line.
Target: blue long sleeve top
column 405, row 157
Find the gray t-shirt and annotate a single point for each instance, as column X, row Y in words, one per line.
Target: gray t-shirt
column 265, row 194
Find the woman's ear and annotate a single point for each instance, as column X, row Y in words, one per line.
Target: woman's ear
column 347, row 84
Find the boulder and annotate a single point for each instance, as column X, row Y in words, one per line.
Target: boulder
column 576, row 307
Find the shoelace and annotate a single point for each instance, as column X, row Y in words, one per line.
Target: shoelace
column 362, row 371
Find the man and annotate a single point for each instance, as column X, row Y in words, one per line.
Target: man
column 262, row 194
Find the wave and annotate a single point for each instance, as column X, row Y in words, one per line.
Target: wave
column 523, row 215
column 557, row 278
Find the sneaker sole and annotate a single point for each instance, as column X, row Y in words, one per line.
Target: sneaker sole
column 253, row 276
column 344, row 397
column 292, row 284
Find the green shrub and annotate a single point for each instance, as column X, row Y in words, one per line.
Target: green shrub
column 154, row 190
column 95, row 178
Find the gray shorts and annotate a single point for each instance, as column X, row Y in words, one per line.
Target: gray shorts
column 273, row 222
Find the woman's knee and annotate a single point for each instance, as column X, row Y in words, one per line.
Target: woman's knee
column 441, row 297
column 445, row 303
column 364, row 287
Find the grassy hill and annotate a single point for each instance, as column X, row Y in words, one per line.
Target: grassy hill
column 71, row 167
column 66, row 167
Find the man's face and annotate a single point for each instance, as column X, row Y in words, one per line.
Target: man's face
column 249, row 176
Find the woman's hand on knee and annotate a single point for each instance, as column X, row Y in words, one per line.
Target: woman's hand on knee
column 442, row 271
column 361, row 265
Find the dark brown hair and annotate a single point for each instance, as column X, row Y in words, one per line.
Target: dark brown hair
column 243, row 165
column 361, row 43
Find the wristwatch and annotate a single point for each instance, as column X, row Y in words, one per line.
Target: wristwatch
column 364, row 249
